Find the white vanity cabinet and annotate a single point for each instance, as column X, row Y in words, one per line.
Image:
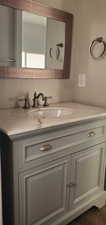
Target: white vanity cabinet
column 58, row 173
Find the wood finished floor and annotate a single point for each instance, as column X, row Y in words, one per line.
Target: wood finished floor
column 93, row 216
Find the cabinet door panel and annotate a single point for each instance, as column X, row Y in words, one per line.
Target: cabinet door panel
column 43, row 194
column 7, row 51
column 87, row 174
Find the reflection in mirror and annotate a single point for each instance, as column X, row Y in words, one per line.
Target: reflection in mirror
column 31, row 41
column 55, row 44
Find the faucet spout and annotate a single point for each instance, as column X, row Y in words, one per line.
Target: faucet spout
column 40, row 97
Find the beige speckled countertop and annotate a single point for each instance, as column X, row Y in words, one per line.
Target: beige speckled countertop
column 19, row 121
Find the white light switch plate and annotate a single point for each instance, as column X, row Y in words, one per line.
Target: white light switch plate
column 82, row 80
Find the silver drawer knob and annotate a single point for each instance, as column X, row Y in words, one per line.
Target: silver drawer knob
column 46, row 147
column 11, row 60
column 91, row 134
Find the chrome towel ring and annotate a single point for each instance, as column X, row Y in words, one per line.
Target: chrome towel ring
column 101, row 44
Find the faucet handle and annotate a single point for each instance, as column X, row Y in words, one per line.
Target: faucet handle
column 18, row 101
column 35, row 94
column 46, row 100
column 27, row 102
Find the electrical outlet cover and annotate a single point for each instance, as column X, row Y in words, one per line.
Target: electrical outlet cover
column 82, row 80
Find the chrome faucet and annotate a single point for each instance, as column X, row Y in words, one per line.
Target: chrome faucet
column 40, row 95
column 36, row 100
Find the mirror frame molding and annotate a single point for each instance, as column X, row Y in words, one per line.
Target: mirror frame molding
column 40, row 9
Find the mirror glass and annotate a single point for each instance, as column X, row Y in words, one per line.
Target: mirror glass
column 30, row 41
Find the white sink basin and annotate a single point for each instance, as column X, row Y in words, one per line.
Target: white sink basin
column 51, row 112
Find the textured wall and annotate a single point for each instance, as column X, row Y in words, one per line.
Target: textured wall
column 91, row 24
column 60, row 89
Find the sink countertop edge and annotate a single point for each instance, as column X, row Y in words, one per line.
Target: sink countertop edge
column 17, row 131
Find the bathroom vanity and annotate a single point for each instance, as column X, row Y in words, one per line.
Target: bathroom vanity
column 55, row 171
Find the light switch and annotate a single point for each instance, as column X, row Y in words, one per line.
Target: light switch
column 82, row 80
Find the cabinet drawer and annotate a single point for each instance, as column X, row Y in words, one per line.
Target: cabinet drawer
column 32, row 150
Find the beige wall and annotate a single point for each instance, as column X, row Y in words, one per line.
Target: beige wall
column 60, row 89
column 91, row 24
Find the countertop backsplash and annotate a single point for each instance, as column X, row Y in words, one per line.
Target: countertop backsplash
column 10, row 89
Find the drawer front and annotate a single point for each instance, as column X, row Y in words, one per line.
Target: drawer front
column 31, row 151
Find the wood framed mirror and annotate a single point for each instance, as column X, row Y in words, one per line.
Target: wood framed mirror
column 35, row 40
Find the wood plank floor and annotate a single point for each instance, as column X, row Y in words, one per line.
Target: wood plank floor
column 93, row 216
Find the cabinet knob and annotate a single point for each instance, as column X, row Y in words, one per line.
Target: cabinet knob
column 91, row 134
column 11, row 60
column 46, row 147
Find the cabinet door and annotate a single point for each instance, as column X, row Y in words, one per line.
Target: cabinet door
column 6, row 36
column 43, row 194
column 87, row 177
